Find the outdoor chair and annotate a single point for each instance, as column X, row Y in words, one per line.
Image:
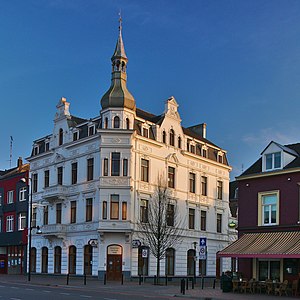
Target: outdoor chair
column 247, row 286
column 282, row 288
column 269, row 286
column 235, row 286
column 295, row 287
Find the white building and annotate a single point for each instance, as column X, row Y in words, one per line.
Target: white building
column 92, row 180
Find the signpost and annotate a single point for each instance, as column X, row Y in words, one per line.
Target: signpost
column 202, row 250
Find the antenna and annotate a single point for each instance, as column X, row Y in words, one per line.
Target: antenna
column 10, row 150
column 242, row 168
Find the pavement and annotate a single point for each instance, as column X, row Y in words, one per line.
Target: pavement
column 148, row 288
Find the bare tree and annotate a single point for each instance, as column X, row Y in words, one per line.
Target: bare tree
column 161, row 227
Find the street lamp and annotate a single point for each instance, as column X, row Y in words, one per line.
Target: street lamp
column 26, row 180
column 195, row 259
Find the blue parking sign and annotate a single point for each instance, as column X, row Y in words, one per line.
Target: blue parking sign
column 202, row 241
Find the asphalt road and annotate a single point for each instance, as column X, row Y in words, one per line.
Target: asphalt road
column 21, row 291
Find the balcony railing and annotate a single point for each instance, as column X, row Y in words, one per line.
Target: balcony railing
column 55, row 192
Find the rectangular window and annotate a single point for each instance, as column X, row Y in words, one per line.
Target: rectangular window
column 193, row 149
column 89, row 210
column 22, row 221
column 58, row 213
column 22, row 194
column 60, row 175
column 34, row 183
column 146, row 132
column 145, row 170
column 105, row 167
column 124, row 210
column 46, row 178
column 46, row 215
column 219, row 190
column 269, row 208
column 203, row 220
column 91, row 130
column 10, row 197
column 191, row 218
column 73, row 211
column 144, row 211
column 170, row 214
column 104, row 210
column 192, row 183
column 204, row 152
column 171, row 177
column 219, row 223
column 74, row 171
column 33, row 221
column 47, row 146
column 273, row 161
column 10, row 223
column 125, row 167
column 90, row 169
column 114, row 207
column 115, row 164
column 75, row 136
column 203, row 185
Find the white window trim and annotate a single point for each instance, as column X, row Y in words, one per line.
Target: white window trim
column 273, row 161
column 22, row 217
column 260, row 206
column 22, row 192
column 10, row 197
column 10, row 223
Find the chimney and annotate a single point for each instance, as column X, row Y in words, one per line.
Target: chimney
column 20, row 163
column 199, row 129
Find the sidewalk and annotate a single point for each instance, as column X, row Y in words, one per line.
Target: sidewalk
column 208, row 293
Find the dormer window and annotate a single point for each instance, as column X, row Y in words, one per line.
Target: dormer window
column 47, row 146
column 75, row 136
column 146, row 132
column 192, row 148
column 36, row 150
column 91, row 130
column 164, row 136
column 273, row 161
column 220, row 157
column 204, row 151
column 172, row 137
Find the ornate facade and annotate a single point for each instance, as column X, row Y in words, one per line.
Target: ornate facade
column 92, row 181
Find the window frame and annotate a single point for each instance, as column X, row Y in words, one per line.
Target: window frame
column 9, row 219
column 22, row 221
column 22, row 194
column 74, row 172
column 144, row 170
column 10, row 197
column 273, row 161
column 171, row 177
column 260, row 214
column 219, row 223
column 73, row 212
column 114, row 207
column 60, row 175
column 88, row 209
column 204, row 181
column 192, row 182
column 90, row 169
column 219, row 189
column 46, row 178
column 115, row 163
column 192, row 213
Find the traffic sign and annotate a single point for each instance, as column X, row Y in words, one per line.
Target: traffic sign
column 144, row 253
column 136, row 243
column 202, row 241
column 202, row 252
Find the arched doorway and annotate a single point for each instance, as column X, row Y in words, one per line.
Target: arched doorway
column 72, row 260
column 191, row 264
column 44, row 260
column 114, row 262
column 88, row 258
column 57, row 260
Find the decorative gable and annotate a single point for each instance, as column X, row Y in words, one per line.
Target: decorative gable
column 171, row 109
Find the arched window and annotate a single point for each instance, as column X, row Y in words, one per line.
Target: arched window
column 164, row 136
column 116, row 122
column 127, row 124
column 191, row 264
column 33, row 259
column 172, row 137
column 61, row 137
column 179, row 142
column 143, row 261
column 106, row 123
column 170, row 261
column 57, row 260
column 44, row 260
column 72, row 260
column 88, row 258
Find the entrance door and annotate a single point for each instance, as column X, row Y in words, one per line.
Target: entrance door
column 88, row 258
column 3, row 264
column 114, row 267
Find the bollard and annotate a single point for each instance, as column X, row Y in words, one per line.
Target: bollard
column 202, row 283
column 182, row 290
column 193, row 283
column 68, row 276
column 140, row 279
column 166, row 280
column 154, row 279
column 84, row 279
column 214, row 285
column 122, row 279
column 187, row 283
column 104, row 279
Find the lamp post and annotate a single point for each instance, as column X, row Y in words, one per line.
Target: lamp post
column 30, row 227
column 195, row 259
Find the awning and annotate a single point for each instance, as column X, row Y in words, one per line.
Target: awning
column 265, row 245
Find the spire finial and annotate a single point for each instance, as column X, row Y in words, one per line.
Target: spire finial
column 120, row 21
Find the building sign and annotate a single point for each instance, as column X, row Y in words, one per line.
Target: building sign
column 144, row 253
column 114, row 249
column 136, row 243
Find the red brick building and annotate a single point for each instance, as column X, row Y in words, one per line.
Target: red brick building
column 269, row 216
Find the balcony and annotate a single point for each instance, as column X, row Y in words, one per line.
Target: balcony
column 54, row 231
column 112, row 181
column 58, row 192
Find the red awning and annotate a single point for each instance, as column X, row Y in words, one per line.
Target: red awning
column 265, row 245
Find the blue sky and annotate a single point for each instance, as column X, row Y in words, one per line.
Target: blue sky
column 232, row 64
